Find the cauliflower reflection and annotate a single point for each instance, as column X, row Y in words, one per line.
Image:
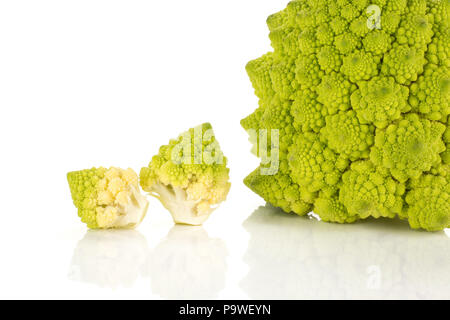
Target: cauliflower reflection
column 188, row 264
column 291, row 257
column 109, row 258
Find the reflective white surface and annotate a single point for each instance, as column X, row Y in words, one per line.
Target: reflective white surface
column 288, row 257
column 109, row 259
column 186, row 264
column 300, row 258
column 269, row 255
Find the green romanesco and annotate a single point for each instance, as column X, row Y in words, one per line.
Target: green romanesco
column 280, row 189
column 312, row 164
column 446, row 155
column 428, row 203
column 404, row 63
column 346, row 136
column 360, row 65
column 409, row 147
column 107, row 198
column 430, row 95
column 308, row 114
column 355, row 110
column 377, row 42
column 331, row 209
column 189, row 176
column 380, row 101
column 334, row 93
column 369, row 191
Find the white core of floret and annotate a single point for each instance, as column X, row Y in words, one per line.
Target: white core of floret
column 136, row 209
column 176, row 200
column 131, row 214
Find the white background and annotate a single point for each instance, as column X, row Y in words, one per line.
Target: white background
column 105, row 83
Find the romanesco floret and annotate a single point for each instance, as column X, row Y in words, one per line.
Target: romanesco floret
column 283, row 79
column 313, row 165
column 307, row 41
column 346, row 43
column 346, row 136
column 429, row 203
column 329, row 59
column 280, row 189
column 108, row 198
column 259, row 71
column 330, row 209
column 380, row 101
column 189, row 176
column 308, row 113
column 359, row 65
column 409, row 147
column 430, row 95
column 358, row 26
column 368, row 191
column 403, row 63
column 391, row 20
column 334, row 93
column 308, row 72
column 439, row 49
column 446, row 154
column 361, row 106
column 324, row 35
column 377, row 42
column 415, row 30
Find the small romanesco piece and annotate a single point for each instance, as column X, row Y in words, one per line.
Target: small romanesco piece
column 189, row 176
column 108, row 198
column 361, row 109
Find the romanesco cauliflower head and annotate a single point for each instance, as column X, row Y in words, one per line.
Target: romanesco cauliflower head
column 189, row 176
column 108, row 198
column 361, row 105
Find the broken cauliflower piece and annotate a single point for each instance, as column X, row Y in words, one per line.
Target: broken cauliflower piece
column 108, row 198
column 189, row 176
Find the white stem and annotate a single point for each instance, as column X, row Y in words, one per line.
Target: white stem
column 175, row 200
column 135, row 211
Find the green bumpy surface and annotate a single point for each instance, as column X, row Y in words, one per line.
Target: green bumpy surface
column 193, row 162
column 362, row 113
column 179, row 169
column 83, row 187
